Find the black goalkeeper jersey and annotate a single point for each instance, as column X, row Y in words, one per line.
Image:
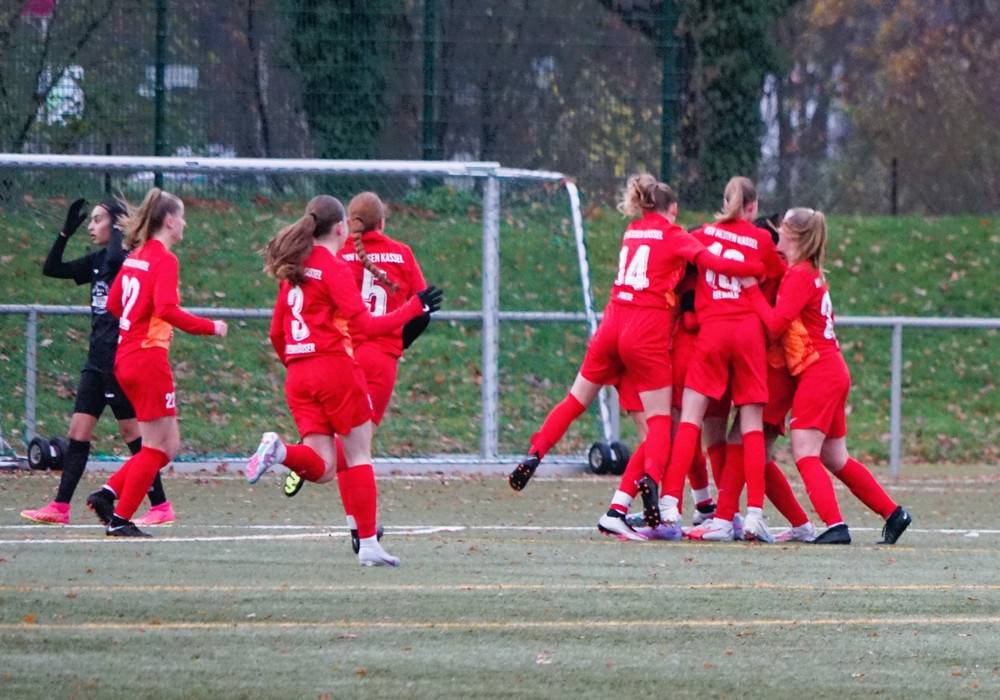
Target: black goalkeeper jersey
column 99, row 268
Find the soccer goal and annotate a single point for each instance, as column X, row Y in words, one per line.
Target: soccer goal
column 531, row 248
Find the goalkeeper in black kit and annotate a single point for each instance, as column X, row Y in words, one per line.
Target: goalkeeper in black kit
column 98, row 388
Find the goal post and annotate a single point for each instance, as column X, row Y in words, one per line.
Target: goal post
column 489, row 177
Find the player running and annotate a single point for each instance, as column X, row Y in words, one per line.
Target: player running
column 325, row 388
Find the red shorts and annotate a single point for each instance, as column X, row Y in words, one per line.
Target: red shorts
column 327, row 395
column 730, row 353
column 379, row 366
column 145, row 377
column 628, row 397
column 780, row 392
column 821, row 397
column 634, row 340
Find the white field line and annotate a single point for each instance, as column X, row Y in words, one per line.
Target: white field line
column 250, row 533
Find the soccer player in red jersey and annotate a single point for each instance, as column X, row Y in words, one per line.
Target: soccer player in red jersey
column 383, row 293
column 634, row 338
column 98, row 388
column 730, row 352
column 818, row 418
column 317, row 304
column 145, row 299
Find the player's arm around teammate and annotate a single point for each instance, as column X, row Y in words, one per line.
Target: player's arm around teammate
column 633, row 339
column 318, row 302
column 97, row 388
column 730, row 353
column 145, row 299
column 818, row 416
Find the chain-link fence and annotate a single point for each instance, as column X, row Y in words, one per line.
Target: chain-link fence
column 563, row 86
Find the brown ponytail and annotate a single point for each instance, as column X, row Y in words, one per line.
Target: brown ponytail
column 364, row 213
column 143, row 222
column 644, row 193
column 740, row 193
column 286, row 253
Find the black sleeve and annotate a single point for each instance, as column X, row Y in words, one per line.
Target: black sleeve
column 77, row 270
column 116, row 252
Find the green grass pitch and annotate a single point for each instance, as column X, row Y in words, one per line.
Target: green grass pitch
column 501, row 594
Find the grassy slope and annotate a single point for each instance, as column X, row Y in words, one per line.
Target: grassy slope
column 229, row 390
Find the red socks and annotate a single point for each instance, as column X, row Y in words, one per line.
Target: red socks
column 359, row 484
column 779, row 492
column 820, row 490
column 731, row 485
column 139, row 472
column 633, row 471
column 717, row 459
column 305, row 461
column 866, row 488
column 685, row 443
column 657, row 446
column 556, row 424
column 754, row 458
column 698, row 473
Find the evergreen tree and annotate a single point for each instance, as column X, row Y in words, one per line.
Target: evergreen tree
column 343, row 50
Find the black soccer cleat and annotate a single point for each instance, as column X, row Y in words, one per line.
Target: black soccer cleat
column 838, row 534
column 519, row 478
column 650, row 501
column 356, row 541
column 293, row 484
column 895, row 525
column 120, row 527
column 102, row 502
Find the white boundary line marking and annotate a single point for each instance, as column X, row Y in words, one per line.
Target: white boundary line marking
column 304, row 532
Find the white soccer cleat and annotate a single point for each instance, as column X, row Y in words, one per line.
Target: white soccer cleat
column 799, row 533
column 755, row 528
column 271, row 451
column 714, row 530
column 372, row 554
column 613, row 523
column 669, row 512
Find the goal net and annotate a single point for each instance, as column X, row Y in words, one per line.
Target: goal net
column 506, row 245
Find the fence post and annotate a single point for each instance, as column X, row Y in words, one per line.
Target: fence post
column 895, row 398
column 491, row 318
column 31, row 374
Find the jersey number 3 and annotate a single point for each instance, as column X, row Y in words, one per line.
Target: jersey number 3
column 296, row 299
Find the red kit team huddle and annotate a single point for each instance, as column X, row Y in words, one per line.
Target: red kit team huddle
column 729, row 319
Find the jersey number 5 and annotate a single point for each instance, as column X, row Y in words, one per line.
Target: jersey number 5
column 374, row 295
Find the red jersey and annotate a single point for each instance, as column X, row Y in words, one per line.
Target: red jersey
column 399, row 263
column 146, row 299
column 721, row 296
column 314, row 318
column 652, row 260
column 803, row 310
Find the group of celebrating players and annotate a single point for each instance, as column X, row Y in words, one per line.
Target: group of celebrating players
column 733, row 317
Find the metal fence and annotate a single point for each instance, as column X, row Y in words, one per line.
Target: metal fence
column 490, row 414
